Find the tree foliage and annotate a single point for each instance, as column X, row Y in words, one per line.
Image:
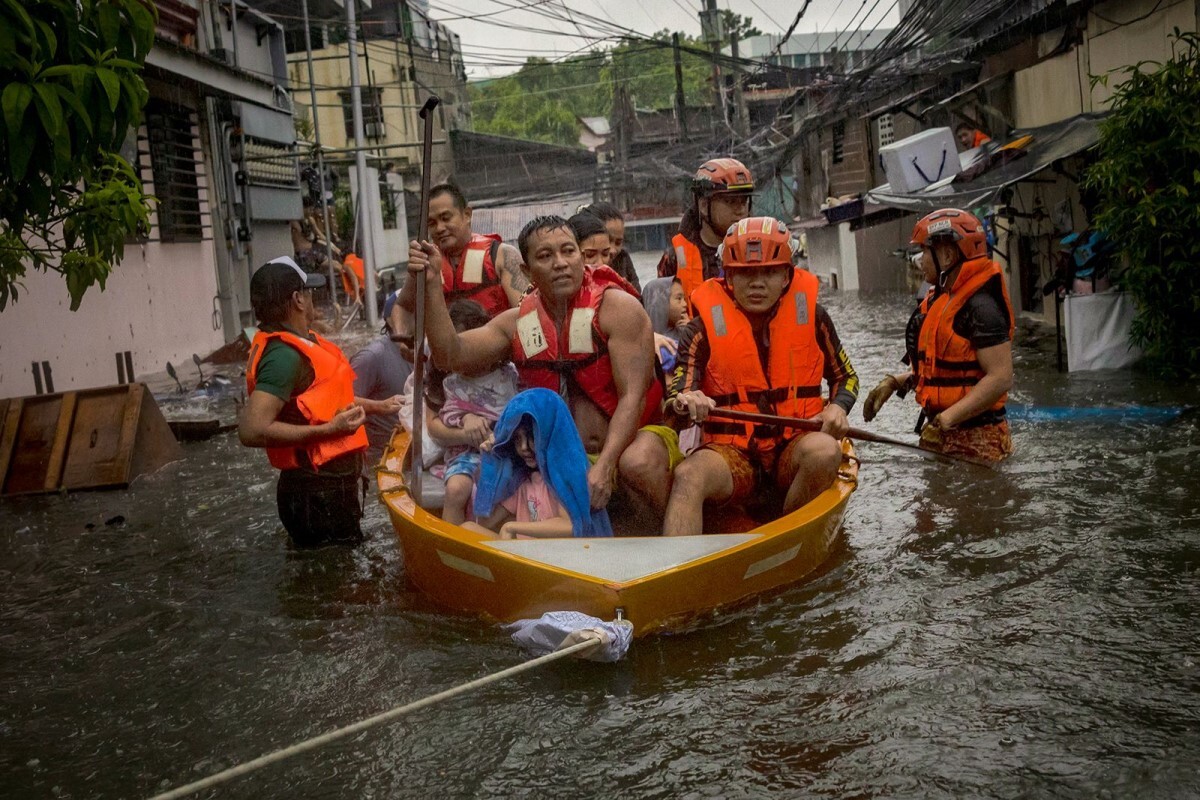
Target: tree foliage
column 72, row 89
column 542, row 100
column 1147, row 178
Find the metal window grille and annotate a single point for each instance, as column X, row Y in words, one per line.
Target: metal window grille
column 839, row 141
column 176, row 168
column 372, row 110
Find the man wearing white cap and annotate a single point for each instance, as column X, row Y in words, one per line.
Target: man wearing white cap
column 303, row 411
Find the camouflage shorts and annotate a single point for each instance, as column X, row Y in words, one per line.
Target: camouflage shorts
column 985, row 443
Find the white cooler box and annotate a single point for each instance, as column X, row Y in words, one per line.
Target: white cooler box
column 927, row 157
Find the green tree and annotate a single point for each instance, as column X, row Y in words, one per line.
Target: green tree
column 736, row 23
column 72, row 89
column 542, row 99
column 1147, row 178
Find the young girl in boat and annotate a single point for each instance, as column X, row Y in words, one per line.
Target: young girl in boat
column 468, row 406
column 533, row 474
column 666, row 305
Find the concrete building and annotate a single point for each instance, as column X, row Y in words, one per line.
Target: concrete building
column 1024, row 69
column 215, row 149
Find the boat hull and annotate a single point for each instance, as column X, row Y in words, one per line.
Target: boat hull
column 657, row 583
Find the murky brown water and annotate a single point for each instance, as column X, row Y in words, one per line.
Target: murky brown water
column 1029, row 633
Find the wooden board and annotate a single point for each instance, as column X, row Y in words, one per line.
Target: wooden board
column 33, row 444
column 82, row 440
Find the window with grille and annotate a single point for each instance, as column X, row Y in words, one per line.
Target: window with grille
column 175, row 164
column 887, row 130
column 839, row 141
column 372, row 111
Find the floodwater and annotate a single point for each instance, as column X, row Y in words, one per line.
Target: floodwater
column 1025, row 633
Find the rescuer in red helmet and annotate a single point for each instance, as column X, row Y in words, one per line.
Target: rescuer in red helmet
column 959, row 342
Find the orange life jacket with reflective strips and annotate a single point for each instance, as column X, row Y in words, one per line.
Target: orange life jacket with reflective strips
column 735, row 378
column 689, row 267
column 547, row 357
column 474, row 277
column 947, row 365
column 331, row 391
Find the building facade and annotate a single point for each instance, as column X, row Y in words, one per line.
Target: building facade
column 215, row 149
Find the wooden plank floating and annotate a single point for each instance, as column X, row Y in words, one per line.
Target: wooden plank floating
column 91, row 439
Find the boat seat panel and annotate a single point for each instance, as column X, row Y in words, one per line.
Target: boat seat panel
column 620, row 559
column 433, row 492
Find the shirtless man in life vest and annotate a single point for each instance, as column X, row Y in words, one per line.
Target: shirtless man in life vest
column 581, row 332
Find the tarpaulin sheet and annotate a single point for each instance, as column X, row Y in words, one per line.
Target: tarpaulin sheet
column 1050, row 143
column 1097, row 327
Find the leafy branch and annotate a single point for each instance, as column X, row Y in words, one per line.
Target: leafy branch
column 71, row 72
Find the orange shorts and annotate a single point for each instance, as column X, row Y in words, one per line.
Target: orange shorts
column 751, row 476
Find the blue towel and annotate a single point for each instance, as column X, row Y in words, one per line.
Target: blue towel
column 560, row 455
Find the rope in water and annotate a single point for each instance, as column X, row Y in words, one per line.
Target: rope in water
column 370, row 722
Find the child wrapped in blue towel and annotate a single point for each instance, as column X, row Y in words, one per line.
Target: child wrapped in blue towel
column 533, row 478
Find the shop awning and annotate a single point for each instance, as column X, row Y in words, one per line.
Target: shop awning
column 1048, row 144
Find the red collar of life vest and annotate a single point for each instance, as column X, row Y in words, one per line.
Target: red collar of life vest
column 553, row 357
column 474, row 276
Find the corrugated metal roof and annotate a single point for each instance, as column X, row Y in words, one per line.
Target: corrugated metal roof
column 508, row 220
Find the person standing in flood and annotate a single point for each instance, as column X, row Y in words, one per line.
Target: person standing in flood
column 959, row 343
column 302, row 410
column 722, row 194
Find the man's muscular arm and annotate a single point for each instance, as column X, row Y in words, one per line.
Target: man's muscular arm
column 512, row 276
column 630, row 349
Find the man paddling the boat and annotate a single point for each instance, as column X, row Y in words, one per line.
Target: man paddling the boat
column 760, row 343
column 959, row 343
column 581, row 332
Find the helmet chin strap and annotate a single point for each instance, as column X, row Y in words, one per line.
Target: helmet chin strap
column 943, row 273
column 707, row 220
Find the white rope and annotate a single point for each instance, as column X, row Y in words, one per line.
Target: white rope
column 370, row 722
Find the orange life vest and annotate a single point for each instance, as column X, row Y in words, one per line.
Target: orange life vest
column 689, row 267
column 947, row 365
column 791, row 383
column 355, row 264
column 331, row 391
column 548, row 357
column 474, row 277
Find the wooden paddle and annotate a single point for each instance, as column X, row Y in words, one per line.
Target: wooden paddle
column 853, row 433
column 418, row 419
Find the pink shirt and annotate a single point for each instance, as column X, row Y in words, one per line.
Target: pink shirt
column 534, row 501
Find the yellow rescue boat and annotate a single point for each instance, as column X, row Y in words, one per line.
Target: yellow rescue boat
column 658, row 584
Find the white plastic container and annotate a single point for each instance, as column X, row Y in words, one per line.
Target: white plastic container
column 927, row 157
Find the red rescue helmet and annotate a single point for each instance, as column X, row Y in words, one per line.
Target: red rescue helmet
column 756, row 242
column 952, row 224
column 722, row 175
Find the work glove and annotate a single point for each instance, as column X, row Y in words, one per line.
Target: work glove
column 878, row 396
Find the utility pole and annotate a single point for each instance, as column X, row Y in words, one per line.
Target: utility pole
column 680, row 102
column 312, row 93
column 712, row 27
column 360, row 164
column 741, row 116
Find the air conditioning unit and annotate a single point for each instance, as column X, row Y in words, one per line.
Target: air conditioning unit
column 375, row 130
